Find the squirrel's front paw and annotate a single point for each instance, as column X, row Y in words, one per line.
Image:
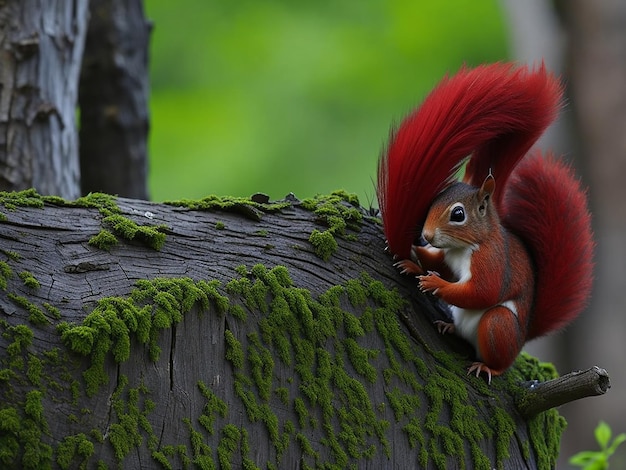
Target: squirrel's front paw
column 406, row 266
column 431, row 282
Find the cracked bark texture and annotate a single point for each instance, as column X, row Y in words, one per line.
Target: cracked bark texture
column 54, row 54
column 41, row 46
column 51, row 243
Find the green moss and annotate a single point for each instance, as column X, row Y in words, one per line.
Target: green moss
column 12, row 255
column 234, row 351
column 302, row 332
column 35, row 314
column 283, row 395
column 360, row 359
column 219, row 225
column 29, row 280
column 22, row 337
column 5, row 274
column 213, row 407
column 324, row 244
column 202, row 453
column 338, row 211
column 546, row 428
column 128, row 229
column 26, row 198
column 104, row 240
column 238, row 312
column 244, row 206
column 261, row 366
column 228, row 443
column 152, row 306
column 322, row 346
column 52, row 310
column 105, row 203
column 76, row 449
column 35, row 368
column 132, row 422
column 504, row 429
column 33, row 406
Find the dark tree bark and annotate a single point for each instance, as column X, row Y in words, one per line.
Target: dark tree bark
column 240, row 333
column 114, row 88
column 41, row 45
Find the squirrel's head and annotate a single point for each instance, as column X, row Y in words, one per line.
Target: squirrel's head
column 461, row 216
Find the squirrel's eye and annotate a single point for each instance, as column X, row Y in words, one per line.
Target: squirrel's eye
column 457, row 214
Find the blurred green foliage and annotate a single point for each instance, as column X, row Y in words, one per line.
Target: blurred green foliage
column 296, row 96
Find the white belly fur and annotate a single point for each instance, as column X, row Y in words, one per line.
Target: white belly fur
column 466, row 323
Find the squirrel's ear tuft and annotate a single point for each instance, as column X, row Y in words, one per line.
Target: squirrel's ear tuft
column 488, row 187
column 485, row 192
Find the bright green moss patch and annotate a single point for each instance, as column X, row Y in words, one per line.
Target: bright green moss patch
column 35, row 314
column 12, row 255
column 504, row 429
column 33, row 406
column 219, row 225
column 546, row 428
column 26, row 198
column 29, row 280
column 287, row 350
column 242, row 205
column 126, row 228
column 324, row 244
column 21, row 444
column 53, row 311
column 21, row 432
column 234, row 352
column 22, row 337
column 104, row 240
column 214, row 407
column 152, row 306
column 338, row 211
column 302, row 332
column 5, row 274
column 74, row 450
column 35, row 368
column 122, row 226
column 131, row 407
column 105, row 203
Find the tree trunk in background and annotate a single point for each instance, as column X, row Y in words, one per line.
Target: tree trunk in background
column 586, row 41
column 114, row 87
column 240, row 336
column 41, row 47
column 596, row 64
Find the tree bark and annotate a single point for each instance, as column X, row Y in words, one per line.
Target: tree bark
column 41, row 46
column 243, row 333
column 114, row 89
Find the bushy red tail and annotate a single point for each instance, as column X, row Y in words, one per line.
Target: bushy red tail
column 493, row 113
column 545, row 206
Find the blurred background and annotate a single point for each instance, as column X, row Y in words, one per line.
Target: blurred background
column 280, row 97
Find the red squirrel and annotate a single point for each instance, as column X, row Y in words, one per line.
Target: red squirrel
column 509, row 247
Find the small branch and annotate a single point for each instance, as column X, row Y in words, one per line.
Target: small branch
column 573, row 386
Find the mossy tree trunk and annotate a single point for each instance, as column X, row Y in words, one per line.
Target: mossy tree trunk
column 235, row 334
